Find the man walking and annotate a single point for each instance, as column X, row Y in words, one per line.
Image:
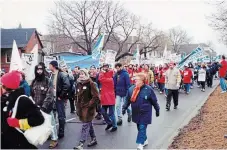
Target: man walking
column 61, row 85
column 173, row 80
column 222, row 74
column 121, row 85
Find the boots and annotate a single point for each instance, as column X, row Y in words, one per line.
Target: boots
column 61, row 130
column 93, row 142
column 119, row 122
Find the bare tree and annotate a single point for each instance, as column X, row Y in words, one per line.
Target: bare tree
column 121, row 36
column 151, row 39
column 218, row 20
column 84, row 21
column 177, row 37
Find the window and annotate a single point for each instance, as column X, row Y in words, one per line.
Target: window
column 8, row 57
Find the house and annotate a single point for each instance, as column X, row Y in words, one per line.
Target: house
column 26, row 39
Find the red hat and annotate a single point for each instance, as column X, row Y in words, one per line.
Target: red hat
column 11, row 80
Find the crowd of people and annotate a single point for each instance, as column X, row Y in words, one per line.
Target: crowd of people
column 102, row 93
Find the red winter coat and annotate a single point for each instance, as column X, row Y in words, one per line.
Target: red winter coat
column 187, row 75
column 223, row 69
column 161, row 75
column 107, row 90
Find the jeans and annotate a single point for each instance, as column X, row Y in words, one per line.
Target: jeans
column 161, row 86
column 60, row 106
column 119, row 101
column 187, row 87
column 54, row 134
column 142, row 133
column 87, row 127
column 210, row 81
column 223, row 84
column 109, row 118
column 72, row 105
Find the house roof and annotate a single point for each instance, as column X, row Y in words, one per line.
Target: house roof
column 21, row 36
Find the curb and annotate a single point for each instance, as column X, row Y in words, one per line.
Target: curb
column 187, row 119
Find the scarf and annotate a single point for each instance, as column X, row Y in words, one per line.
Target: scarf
column 135, row 93
column 82, row 80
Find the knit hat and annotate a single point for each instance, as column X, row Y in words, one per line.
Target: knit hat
column 54, row 63
column 11, row 80
column 85, row 72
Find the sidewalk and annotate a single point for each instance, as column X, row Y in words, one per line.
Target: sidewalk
column 207, row 129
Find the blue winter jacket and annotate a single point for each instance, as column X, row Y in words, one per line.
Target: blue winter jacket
column 27, row 90
column 142, row 107
column 121, row 83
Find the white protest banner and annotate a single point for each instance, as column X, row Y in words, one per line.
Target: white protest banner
column 102, row 58
column 110, row 57
column 16, row 62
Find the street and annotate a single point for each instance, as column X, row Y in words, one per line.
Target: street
column 159, row 133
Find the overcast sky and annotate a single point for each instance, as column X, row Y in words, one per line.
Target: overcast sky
column 164, row 14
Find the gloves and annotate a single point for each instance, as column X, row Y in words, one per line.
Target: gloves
column 123, row 111
column 13, row 122
column 157, row 114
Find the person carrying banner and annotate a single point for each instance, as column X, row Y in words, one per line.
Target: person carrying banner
column 202, row 77
column 172, row 83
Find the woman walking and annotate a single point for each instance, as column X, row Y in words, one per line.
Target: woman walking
column 142, row 98
column 86, row 100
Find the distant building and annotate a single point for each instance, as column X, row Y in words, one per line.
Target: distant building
column 26, row 39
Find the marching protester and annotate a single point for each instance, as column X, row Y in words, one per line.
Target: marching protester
column 24, row 85
column 172, row 83
column 187, row 77
column 87, row 99
column 45, row 71
column 223, row 74
column 107, row 95
column 210, row 75
column 202, row 77
column 42, row 94
column 149, row 75
column 71, row 89
column 196, row 73
column 121, row 85
column 76, row 73
column 191, row 67
column 142, row 98
column 28, row 114
column 161, row 79
column 61, row 85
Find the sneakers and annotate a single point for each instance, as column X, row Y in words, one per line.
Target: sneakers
column 160, row 92
column 119, row 122
column 145, row 143
column 175, row 107
column 223, row 92
column 98, row 116
column 53, row 144
column 113, row 129
column 129, row 118
column 140, row 147
column 203, row 90
column 92, row 143
column 80, row 146
column 108, row 126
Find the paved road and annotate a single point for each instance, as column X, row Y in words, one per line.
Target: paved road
column 159, row 133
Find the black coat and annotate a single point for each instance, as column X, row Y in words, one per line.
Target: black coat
column 10, row 137
column 63, row 85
